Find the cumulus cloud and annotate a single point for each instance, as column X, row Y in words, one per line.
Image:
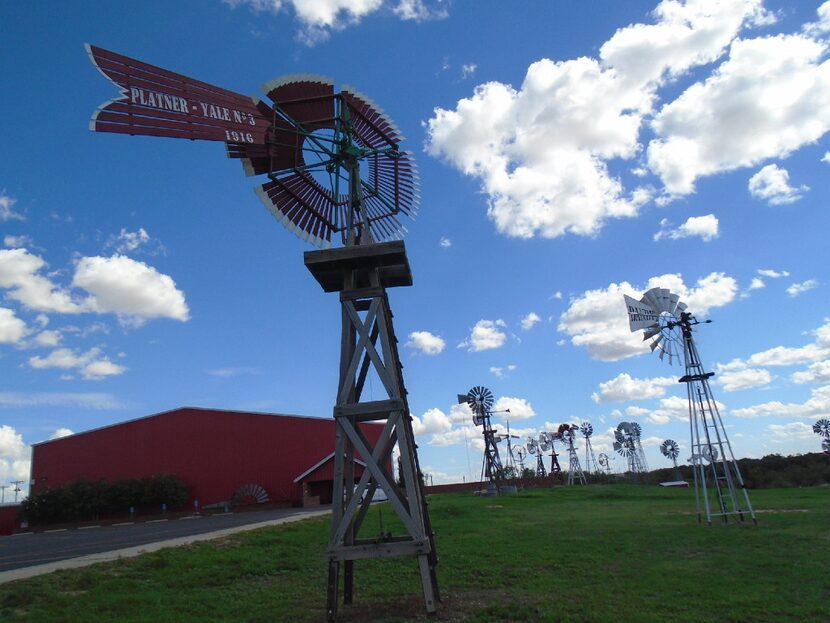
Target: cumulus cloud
column 132, row 290
column 130, row 241
column 800, row 288
column 15, row 242
column 485, row 335
column 426, row 342
column 772, row 274
column 768, row 99
column 530, row 320
column 7, row 212
column 817, row 405
column 772, row 184
column 20, row 272
column 61, row 432
column 15, row 458
column 598, row 320
column 445, row 242
column 541, row 151
column 60, row 400
column 703, row 227
column 624, row 387
column 500, row 372
column 818, row 372
column 671, row 408
column 421, row 11
column 433, row 421
column 12, row 328
column 520, row 408
column 737, row 375
column 92, row 364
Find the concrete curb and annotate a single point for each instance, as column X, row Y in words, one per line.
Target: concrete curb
column 131, row 552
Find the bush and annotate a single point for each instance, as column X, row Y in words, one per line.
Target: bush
column 81, row 500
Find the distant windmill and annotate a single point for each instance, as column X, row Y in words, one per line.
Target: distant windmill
column 625, row 444
column 664, row 320
column 534, row 446
column 480, row 401
column 822, row 428
column 519, row 454
column 590, row 461
column 605, row 463
column 567, row 434
column 637, row 431
column 671, row 450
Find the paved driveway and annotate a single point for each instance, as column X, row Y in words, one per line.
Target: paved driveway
column 19, row 552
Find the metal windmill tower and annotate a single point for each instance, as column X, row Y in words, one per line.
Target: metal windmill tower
column 567, row 434
column 637, row 433
column 537, row 447
column 671, row 450
column 555, row 468
column 334, row 168
column 510, row 463
column 519, row 454
column 480, row 401
column 605, row 463
column 590, row 460
column 625, row 445
column 719, row 486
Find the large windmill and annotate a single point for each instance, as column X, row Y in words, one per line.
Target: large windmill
column 665, row 321
column 333, row 168
column 480, row 401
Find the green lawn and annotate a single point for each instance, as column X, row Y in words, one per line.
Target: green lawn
column 598, row 553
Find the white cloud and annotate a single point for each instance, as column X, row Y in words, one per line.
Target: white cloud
column 7, row 212
column 57, row 399
column 768, row 99
column 818, row 405
column 772, row 184
column 485, row 335
column 822, row 25
column 670, row 408
column 800, row 288
column 794, row 431
column 788, row 356
column 226, row 373
column 826, row 157
column 16, row 242
column 91, row 364
column 61, row 432
column 420, row 11
column 757, row 284
column 703, row 227
column 445, row 242
column 772, row 274
column 129, row 240
column 737, row 375
column 433, row 421
column 15, row 458
column 597, row 319
column 818, row 372
column 48, row 338
column 133, row 290
column 19, row 272
column 12, row 328
column 426, row 342
column 467, row 71
column 520, row 408
column 624, row 387
column 500, row 372
column 530, row 320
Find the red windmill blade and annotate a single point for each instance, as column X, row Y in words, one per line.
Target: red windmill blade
column 333, row 159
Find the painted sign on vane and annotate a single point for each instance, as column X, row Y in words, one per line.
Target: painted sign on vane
column 158, row 102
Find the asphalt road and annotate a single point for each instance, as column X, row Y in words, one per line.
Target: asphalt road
column 30, row 549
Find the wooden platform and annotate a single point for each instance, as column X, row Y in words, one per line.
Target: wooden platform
column 329, row 266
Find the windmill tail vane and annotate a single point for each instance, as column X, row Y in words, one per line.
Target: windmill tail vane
column 309, row 141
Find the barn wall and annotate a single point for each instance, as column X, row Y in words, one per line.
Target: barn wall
column 214, row 452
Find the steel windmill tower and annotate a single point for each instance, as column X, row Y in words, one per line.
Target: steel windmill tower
column 537, row 448
column 334, row 168
column 567, row 434
column 480, row 401
column 719, row 486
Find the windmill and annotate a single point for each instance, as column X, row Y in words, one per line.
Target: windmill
column 519, row 453
column 566, row 435
column 822, row 428
column 480, row 401
column 665, row 321
column 590, row 461
column 334, row 168
column 625, row 444
column 555, row 468
column 671, row 450
column 510, row 464
column 637, row 433
column 537, row 447
column 604, row 462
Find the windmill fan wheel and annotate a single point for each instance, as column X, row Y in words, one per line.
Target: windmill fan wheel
column 822, row 427
column 250, row 494
column 480, row 399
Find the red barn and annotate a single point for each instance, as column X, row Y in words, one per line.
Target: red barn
column 217, row 453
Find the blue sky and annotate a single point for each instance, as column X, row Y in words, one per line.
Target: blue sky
column 569, row 153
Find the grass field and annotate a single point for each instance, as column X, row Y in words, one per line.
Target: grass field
column 598, row 553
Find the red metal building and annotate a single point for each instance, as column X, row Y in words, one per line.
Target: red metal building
column 216, row 452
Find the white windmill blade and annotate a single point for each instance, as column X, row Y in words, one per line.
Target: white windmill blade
column 681, row 307
column 652, row 299
column 674, row 300
column 656, row 343
column 640, row 315
column 665, row 300
column 650, row 332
